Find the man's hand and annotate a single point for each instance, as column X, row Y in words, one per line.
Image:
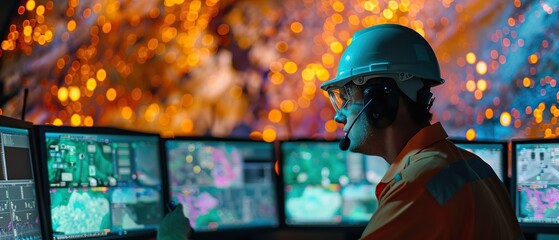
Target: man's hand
column 175, row 226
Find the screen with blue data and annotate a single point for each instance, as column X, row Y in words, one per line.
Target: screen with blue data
column 536, row 181
column 223, row 184
column 19, row 203
column 324, row 185
column 492, row 153
column 102, row 184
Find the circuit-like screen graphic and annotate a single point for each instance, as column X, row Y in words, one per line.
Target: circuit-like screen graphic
column 492, row 154
column 324, row 185
column 103, row 184
column 223, row 184
column 19, row 209
column 537, row 182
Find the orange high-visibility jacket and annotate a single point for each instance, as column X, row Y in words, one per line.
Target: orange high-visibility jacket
column 435, row 190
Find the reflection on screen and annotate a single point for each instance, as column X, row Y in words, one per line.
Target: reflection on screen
column 223, row 185
column 491, row 153
column 19, row 213
column 103, row 184
column 537, row 182
column 324, row 185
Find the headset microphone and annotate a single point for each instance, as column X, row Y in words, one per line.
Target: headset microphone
column 344, row 143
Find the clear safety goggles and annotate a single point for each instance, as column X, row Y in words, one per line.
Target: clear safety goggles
column 341, row 96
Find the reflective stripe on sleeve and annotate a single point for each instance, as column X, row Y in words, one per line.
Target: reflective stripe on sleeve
column 455, row 175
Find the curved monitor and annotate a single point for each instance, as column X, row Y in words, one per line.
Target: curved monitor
column 223, row 184
column 21, row 205
column 324, row 186
column 103, row 182
column 535, row 184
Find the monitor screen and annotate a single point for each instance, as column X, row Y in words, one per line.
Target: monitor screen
column 493, row 154
column 324, row 185
column 20, row 205
column 102, row 182
column 223, row 184
column 536, row 181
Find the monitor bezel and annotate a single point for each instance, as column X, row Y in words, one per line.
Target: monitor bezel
column 230, row 232
column 40, row 191
column 349, row 228
column 505, row 164
column 41, row 130
column 552, row 228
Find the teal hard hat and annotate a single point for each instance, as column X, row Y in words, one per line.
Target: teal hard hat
column 388, row 50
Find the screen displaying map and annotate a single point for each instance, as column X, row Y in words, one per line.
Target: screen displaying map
column 102, row 184
column 537, row 182
column 19, row 206
column 223, row 184
column 325, row 186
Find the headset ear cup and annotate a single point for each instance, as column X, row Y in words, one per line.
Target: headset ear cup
column 382, row 110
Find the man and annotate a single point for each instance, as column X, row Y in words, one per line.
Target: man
column 433, row 189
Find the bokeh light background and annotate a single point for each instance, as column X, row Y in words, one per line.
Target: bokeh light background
column 253, row 68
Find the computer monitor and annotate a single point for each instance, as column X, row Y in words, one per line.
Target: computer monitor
column 493, row 153
column 21, row 205
column 325, row 186
column 103, row 182
column 535, row 178
column 223, row 184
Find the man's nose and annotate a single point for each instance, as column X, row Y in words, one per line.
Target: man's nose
column 340, row 117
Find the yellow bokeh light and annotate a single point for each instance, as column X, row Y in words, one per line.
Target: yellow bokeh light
column 187, row 125
column 276, row 78
column 322, row 74
column 71, row 25
column 74, row 93
column 63, row 94
column 40, row 10
column 338, row 6
column 471, row 58
column 269, row 135
column 275, row 115
column 387, row 13
column 331, row 126
column 101, row 75
column 526, row 82
column 481, row 67
column 75, row 120
column 296, row 27
column 126, row 112
column 328, row 59
column 27, row 30
column 482, row 85
column 287, row 106
column 470, row 134
column 290, row 67
column 197, row 169
column 336, row 47
column 111, row 94
column 88, row 121
column 533, row 59
column 393, row 5
column 91, row 84
column 471, row 85
column 489, row 113
column 505, row 119
column 30, row 5
column 57, row 122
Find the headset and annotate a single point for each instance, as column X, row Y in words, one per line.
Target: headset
column 384, row 96
column 381, row 105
